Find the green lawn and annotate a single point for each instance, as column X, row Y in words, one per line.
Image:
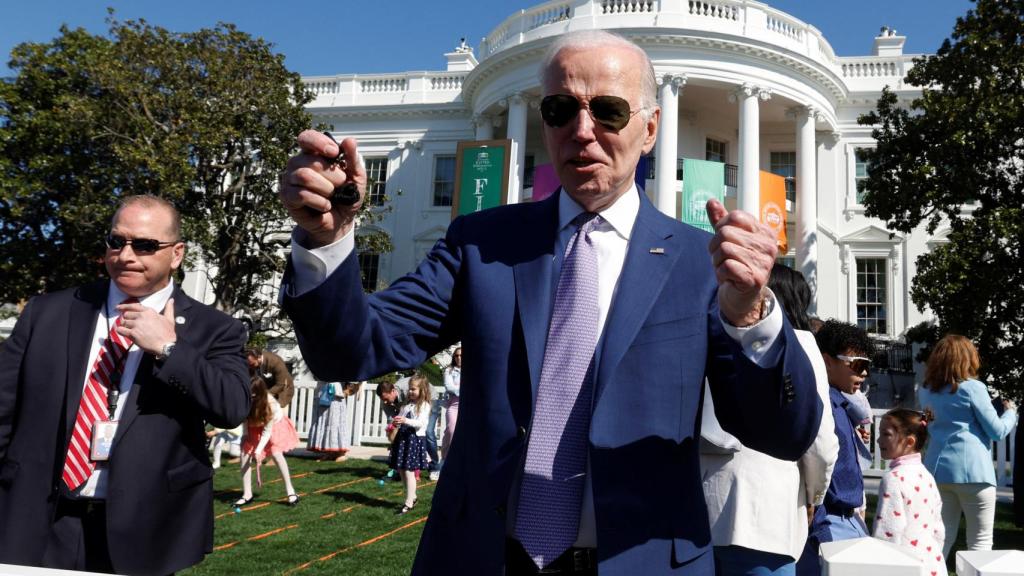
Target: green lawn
column 346, row 523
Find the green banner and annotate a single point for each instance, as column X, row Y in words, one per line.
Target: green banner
column 481, row 175
column 702, row 181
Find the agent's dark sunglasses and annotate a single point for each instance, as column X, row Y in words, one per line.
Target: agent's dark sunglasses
column 611, row 112
column 139, row 245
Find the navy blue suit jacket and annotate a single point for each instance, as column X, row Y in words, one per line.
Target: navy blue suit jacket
column 489, row 284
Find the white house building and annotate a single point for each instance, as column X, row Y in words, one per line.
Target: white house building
column 739, row 82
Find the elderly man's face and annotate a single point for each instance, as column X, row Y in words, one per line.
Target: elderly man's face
column 594, row 163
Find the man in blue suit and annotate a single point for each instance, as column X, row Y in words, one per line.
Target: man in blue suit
column 664, row 316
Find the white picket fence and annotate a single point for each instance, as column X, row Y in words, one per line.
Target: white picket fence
column 366, row 419
column 368, row 423
column 1002, row 453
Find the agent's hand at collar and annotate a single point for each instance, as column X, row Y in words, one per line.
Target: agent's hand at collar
column 310, row 180
column 742, row 251
column 147, row 329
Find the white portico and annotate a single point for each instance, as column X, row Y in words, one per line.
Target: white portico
column 739, row 83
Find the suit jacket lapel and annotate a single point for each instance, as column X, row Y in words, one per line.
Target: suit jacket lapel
column 146, row 373
column 533, row 280
column 643, row 275
column 82, row 318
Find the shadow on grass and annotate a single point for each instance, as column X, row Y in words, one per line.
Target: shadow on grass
column 361, row 499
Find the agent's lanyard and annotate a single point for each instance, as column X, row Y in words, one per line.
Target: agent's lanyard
column 114, row 390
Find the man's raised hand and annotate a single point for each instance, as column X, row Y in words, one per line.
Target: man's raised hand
column 742, row 251
column 310, row 179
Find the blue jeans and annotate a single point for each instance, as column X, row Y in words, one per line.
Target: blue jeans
column 838, row 528
column 435, row 413
column 740, row 561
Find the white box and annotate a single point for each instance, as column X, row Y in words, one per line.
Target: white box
column 989, row 563
column 868, row 555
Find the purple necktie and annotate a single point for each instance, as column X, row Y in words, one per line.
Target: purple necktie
column 547, row 520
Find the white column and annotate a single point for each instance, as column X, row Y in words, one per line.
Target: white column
column 484, row 127
column 666, row 148
column 517, row 133
column 807, row 199
column 748, row 191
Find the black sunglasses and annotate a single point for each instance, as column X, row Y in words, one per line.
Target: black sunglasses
column 139, row 245
column 611, row 112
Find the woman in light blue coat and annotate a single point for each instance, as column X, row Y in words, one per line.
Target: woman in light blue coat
column 965, row 426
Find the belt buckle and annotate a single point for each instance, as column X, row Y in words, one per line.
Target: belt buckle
column 581, row 559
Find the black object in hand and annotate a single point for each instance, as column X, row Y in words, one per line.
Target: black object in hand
column 348, row 193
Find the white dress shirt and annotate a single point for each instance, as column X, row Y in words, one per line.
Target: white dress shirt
column 611, row 239
column 96, row 485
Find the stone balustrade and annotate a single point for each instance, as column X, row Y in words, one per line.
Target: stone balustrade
column 377, row 89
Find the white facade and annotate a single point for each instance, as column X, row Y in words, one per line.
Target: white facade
column 755, row 81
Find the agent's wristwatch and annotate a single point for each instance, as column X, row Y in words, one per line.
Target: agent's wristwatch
column 165, row 351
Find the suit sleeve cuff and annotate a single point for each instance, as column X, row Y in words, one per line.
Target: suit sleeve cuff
column 313, row 266
column 760, row 342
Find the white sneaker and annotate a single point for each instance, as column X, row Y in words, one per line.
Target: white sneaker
column 434, row 475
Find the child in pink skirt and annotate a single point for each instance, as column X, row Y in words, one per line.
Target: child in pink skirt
column 268, row 431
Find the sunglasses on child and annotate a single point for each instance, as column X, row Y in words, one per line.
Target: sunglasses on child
column 856, row 363
column 139, row 245
column 611, row 112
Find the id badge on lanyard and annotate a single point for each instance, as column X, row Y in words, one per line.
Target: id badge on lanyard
column 103, row 431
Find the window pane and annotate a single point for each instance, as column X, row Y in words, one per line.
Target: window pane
column 377, row 176
column 714, row 150
column 872, row 301
column 444, row 180
column 368, row 268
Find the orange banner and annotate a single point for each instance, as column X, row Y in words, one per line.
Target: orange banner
column 773, row 206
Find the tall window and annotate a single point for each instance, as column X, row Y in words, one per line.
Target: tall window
column 528, row 170
column 444, row 180
column 377, row 175
column 714, row 150
column 860, row 174
column 871, row 295
column 784, row 164
column 652, row 166
column 369, row 264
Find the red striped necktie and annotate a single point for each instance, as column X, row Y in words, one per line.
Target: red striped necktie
column 93, row 406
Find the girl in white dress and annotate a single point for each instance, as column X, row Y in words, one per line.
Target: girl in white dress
column 909, row 511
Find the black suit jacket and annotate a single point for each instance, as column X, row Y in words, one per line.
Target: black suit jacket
column 160, row 490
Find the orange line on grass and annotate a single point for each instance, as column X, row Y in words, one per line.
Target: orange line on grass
column 342, row 485
column 360, row 545
column 246, row 509
column 230, row 490
column 271, row 533
column 253, row 538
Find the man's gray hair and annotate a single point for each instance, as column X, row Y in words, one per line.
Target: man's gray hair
column 149, row 201
column 595, row 39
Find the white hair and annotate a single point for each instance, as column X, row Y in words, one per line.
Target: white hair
column 595, row 39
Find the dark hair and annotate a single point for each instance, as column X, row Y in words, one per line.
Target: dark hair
column 384, row 388
column 253, row 351
column 836, row 337
column 953, row 359
column 911, row 423
column 792, row 291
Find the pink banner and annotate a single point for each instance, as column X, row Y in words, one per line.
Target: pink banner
column 545, row 181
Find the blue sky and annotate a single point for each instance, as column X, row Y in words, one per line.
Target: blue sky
column 346, row 36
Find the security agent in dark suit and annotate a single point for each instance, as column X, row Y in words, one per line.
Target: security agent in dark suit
column 144, row 506
column 669, row 317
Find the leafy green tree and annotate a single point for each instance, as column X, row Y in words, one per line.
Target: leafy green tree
column 954, row 157
column 205, row 119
